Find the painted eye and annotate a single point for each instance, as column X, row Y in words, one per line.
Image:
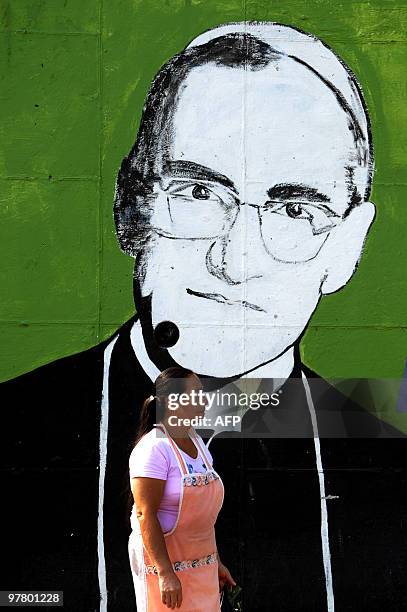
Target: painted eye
column 294, row 210
column 200, row 192
column 319, row 219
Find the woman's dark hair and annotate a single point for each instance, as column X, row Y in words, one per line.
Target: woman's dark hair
column 153, row 408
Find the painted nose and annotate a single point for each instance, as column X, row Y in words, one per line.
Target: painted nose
column 233, row 257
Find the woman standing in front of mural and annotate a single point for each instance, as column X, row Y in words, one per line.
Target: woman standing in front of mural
column 177, row 498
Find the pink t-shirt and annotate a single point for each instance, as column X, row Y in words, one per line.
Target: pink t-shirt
column 153, row 456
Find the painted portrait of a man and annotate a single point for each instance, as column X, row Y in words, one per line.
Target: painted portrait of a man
column 244, row 200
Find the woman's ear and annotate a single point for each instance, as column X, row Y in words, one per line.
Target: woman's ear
column 344, row 247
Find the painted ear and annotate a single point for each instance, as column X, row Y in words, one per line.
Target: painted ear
column 345, row 245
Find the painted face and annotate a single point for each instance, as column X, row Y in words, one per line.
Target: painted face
column 256, row 182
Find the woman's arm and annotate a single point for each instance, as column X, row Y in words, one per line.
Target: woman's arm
column 147, row 494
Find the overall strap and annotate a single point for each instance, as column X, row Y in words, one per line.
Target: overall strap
column 180, row 459
column 200, row 448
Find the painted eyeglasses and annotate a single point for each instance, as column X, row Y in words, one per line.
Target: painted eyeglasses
column 291, row 231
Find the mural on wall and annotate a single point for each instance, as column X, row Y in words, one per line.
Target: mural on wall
column 244, row 200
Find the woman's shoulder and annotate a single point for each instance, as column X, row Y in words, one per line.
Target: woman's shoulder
column 152, row 441
column 150, row 457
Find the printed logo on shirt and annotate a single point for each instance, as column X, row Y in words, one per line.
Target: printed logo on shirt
column 191, row 469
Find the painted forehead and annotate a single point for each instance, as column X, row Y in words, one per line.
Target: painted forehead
column 235, row 96
column 280, row 124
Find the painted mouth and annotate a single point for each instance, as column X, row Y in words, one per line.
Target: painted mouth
column 218, row 297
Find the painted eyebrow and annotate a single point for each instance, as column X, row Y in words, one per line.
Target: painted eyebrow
column 283, row 191
column 188, row 169
column 296, row 191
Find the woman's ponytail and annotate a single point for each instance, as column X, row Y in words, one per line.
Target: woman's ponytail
column 148, row 416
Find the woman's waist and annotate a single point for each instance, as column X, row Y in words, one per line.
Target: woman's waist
column 183, row 563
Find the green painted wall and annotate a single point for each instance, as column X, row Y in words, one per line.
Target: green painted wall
column 74, row 76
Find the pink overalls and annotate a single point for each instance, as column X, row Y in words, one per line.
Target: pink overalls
column 191, row 543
